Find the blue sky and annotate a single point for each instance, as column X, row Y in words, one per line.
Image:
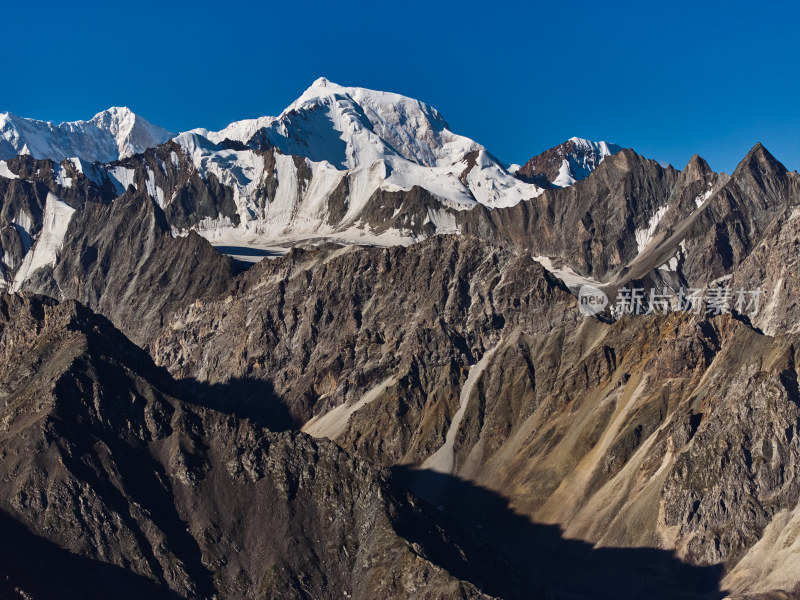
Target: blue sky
column 667, row 79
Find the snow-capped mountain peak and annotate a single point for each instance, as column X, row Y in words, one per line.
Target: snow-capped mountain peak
column 110, row 135
column 582, row 159
column 339, row 161
column 378, row 141
column 352, row 127
column 566, row 163
column 598, row 149
column 133, row 133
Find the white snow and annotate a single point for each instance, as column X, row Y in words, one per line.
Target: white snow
column 703, row 197
column 671, row 265
column 354, row 129
column 61, row 178
column 24, row 221
column 367, row 140
column 57, row 215
column 493, row 186
column 571, row 279
column 238, row 131
column 122, row 177
column 252, row 246
column 582, row 160
column 110, row 135
column 5, row 171
column 155, row 192
column 374, row 140
column 299, row 209
column 564, row 177
column 645, row 236
column 445, row 222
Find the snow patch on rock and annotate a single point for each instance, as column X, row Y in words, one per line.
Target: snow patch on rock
column 645, row 235
column 57, row 215
column 6, row 172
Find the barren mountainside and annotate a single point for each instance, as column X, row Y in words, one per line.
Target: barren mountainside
column 340, row 352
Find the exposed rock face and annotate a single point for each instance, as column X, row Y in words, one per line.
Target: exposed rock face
column 740, row 232
column 738, row 216
column 657, row 454
column 122, row 260
column 566, row 163
column 24, row 192
column 590, row 226
column 102, row 461
column 326, row 325
column 772, row 267
column 643, row 432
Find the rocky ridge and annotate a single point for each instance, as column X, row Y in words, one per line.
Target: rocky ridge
column 101, row 460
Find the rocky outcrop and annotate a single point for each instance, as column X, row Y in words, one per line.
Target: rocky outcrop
column 566, row 163
column 23, row 197
column 123, row 261
column 106, row 470
column 738, row 215
column 464, row 360
column 315, row 315
column 590, row 226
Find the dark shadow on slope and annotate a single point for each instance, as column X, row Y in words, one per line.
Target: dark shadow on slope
column 252, row 399
column 46, row 571
column 539, row 555
column 744, row 318
column 145, row 482
column 247, row 251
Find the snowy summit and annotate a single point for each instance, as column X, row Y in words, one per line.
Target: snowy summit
column 110, row 135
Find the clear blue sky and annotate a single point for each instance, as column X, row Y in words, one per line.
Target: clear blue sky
column 667, row 79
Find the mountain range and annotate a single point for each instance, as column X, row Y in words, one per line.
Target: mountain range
column 342, row 352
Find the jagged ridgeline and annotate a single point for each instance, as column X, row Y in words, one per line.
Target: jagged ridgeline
column 339, row 353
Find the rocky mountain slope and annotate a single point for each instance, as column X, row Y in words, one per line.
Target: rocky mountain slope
column 403, row 399
column 650, row 431
column 143, row 493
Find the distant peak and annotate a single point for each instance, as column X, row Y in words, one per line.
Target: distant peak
column 697, row 166
column 566, row 163
column 759, row 155
column 321, row 88
column 759, row 152
column 114, row 133
column 580, row 141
